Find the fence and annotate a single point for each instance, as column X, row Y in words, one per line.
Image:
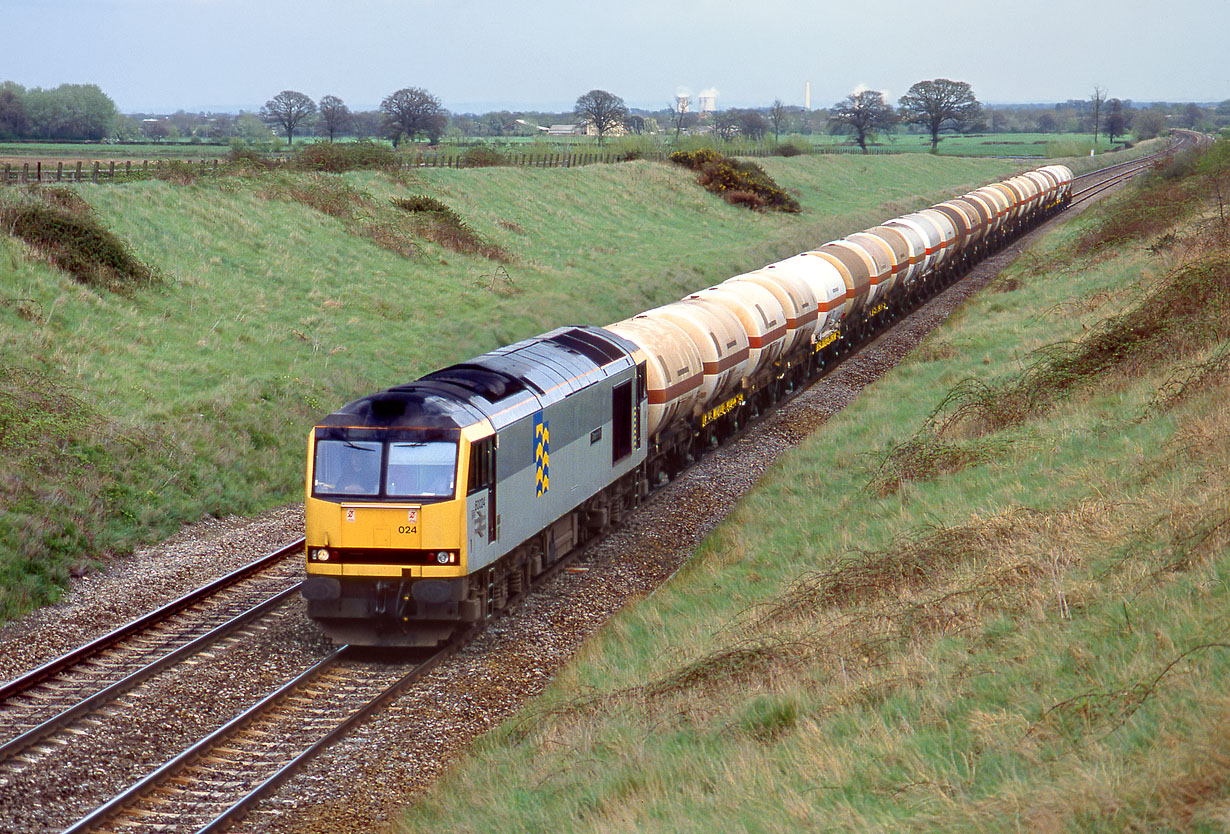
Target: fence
column 82, row 171
column 98, row 171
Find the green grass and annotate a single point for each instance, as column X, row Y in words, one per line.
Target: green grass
column 131, row 413
column 1034, row 639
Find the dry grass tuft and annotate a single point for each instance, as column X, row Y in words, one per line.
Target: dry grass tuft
column 1188, row 310
column 927, row 458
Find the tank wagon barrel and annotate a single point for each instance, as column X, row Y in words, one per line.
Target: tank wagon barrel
column 431, row 504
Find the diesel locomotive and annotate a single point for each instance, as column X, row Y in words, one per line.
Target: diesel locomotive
column 430, row 504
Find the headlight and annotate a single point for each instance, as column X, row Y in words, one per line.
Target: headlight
column 320, row 555
column 443, row 557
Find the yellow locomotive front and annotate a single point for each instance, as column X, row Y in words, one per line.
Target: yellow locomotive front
column 383, row 503
column 385, row 532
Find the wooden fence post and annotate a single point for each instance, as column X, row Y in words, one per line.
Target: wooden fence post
column 113, row 170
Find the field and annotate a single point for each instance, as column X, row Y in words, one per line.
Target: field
column 989, row 596
column 129, row 409
column 1048, row 145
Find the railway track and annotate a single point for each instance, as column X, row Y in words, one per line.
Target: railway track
column 218, row 778
column 52, row 697
column 1093, row 183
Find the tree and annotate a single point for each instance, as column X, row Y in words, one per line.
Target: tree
column 681, row 114
column 753, row 124
column 940, row 104
column 12, row 111
column 777, row 115
column 1047, row 123
column 287, row 110
column 1192, row 115
column 335, row 115
column 411, row 111
column 1116, row 119
column 156, row 129
column 602, row 110
column 1149, row 123
column 726, row 124
column 635, row 124
column 1097, row 97
column 862, row 114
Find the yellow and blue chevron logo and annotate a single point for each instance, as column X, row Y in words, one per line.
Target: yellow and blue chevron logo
column 542, row 452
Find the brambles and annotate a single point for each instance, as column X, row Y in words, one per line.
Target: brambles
column 738, row 183
column 482, row 156
column 440, row 224
column 331, row 195
column 334, row 158
column 64, row 231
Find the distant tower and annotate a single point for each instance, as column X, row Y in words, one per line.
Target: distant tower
column 683, row 102
column 806, row 95
column 708, row 100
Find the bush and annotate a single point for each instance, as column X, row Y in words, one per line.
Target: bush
column 65, row 232
column 738, row 183
column 482, row 156
column 175, row 171
column 247, row 159
column 440, row 224
column 335, row 157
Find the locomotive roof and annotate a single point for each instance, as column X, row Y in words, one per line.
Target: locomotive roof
column 501, row 386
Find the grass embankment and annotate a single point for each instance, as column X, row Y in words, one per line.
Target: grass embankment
column 990, row 605
column 128, row 410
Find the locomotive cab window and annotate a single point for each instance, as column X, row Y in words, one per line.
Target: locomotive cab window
column 344, row 467
column 424, row 470
column 374, row 464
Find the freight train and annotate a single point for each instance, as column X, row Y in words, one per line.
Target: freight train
column 431, row 504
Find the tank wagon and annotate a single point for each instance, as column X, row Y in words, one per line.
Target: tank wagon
column 430, row 504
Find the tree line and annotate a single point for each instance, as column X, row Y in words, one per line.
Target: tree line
column 85, row 112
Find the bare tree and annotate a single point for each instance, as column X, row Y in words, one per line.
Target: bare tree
column 941, row 104
column 681, row 114
column 411, row 111
column 862, row 114
column 603, row 110
column 777, row 115
column 1098, row 96
column 335, row 114
column 288, row 110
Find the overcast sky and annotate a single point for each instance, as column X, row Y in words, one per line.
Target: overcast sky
column 480, row 55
